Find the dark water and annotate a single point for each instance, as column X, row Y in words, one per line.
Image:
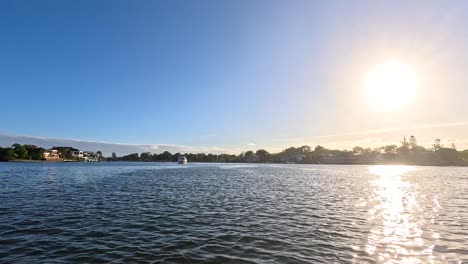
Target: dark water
column 132, row 213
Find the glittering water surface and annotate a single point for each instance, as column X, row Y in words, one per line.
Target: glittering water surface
column 220, row 213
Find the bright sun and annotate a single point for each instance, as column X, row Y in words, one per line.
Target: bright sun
column 391, row 86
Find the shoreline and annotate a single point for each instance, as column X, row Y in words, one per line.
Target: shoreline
column 252, row 163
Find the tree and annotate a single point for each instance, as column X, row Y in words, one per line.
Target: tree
column 320, row 150
column 447, row 157
column 263, row 155
column 6, row 154
column 66, row 153
column 34, row 152
column 412, row 142
column 20, row 152
column 16, row 146
column 131, row 157
column 404, row 143
column 165, row 156
column 464, row 155
column 391, row 149
column 296, row 155
column 358, row 150
column 114, row 156
column 404, row 149
column 317, row 156
column 145, row 156
column 436, row 146
column 99, row 155
column 211, row 158
column 304, row 149
column 249, row 156
column 389, row 154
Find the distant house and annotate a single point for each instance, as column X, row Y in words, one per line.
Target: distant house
column 88, row 153
column 89, row 156
column 52, row 155
column 77, row 154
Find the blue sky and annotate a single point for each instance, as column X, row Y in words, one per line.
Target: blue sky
column 228, row 75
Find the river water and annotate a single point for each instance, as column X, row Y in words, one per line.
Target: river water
column 232, row 213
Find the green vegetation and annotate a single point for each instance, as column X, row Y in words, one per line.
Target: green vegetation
column 409, row 152
column 21, row 152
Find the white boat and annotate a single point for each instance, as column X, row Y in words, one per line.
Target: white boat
column 182, row 159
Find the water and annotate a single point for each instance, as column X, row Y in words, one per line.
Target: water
column 222, row 213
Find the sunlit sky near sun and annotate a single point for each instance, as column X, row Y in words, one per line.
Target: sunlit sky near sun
column 391, row 86
column 228, row 76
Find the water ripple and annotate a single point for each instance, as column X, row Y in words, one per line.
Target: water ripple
column 232, row 213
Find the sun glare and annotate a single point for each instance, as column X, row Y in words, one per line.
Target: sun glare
column 391, row 86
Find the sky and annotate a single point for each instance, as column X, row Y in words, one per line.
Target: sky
column 227, row 76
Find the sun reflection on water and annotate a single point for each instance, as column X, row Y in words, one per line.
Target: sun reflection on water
column 395, row 218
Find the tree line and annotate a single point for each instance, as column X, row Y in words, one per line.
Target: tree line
column 408, row 152
column 21, row 152
column 32, row 152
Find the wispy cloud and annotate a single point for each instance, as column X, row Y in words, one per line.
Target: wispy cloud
column 376, row 131
column 360, row 142
column 106, row 147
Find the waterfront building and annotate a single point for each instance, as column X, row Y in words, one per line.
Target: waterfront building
column 52, row 155
column 77, row 153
